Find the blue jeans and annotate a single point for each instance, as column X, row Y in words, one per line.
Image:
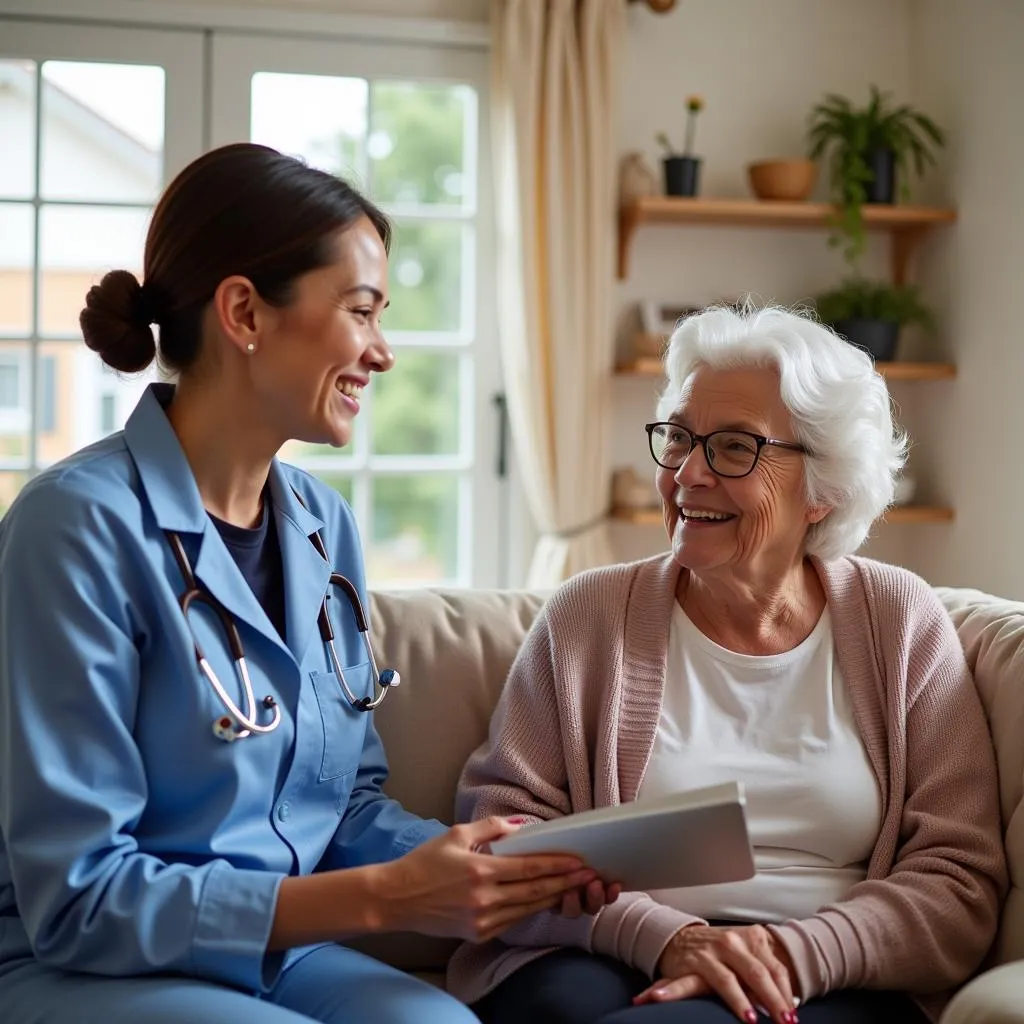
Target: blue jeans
column 574, row 987
column 330, row 985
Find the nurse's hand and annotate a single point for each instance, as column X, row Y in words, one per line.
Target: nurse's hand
column 448, row 887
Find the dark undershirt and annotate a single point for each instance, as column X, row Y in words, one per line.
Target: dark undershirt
column 257, row 554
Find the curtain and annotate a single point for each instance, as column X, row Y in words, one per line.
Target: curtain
column 554, row 94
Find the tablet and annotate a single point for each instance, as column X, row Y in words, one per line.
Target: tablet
column 697, row 837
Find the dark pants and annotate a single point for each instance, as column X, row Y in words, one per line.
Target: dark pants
column 574, row 987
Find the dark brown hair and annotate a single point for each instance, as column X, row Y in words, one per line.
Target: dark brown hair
column 241, row 209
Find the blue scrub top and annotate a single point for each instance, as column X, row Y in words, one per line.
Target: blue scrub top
column 132, row 840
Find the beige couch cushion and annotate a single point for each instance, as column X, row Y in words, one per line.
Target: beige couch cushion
column 991, row 630
column 454, row 649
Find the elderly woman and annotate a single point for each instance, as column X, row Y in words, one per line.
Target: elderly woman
column 760, row 650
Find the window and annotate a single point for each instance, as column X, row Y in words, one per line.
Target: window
column 47, row 394
column 405, row 128
column 14, row 404
column 108, row 414
column 87, row 141
column 10, row 384
column 411, row 459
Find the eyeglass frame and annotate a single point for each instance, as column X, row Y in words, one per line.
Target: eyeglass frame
column 703, row 439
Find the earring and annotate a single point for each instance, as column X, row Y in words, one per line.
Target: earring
column 251, row 347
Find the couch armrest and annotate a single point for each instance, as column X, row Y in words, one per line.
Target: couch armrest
column 995, row 997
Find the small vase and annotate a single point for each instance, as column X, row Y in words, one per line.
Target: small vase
column 882, row 186
column 682, row 175
column 876, row 337
column 636, row 179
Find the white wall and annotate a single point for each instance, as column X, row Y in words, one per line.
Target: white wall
column 966, row 69
column 760, row 68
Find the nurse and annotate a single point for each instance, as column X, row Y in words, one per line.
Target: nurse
column 153, row 865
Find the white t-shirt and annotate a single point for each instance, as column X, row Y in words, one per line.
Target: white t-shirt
column 783, row 726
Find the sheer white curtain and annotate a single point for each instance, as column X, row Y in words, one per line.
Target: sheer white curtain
column 554, row 91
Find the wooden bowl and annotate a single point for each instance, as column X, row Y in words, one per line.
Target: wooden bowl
column 783, row 179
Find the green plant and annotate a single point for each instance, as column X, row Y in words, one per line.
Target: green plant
column 694, row 105
column 852, row 135
column 860, row 299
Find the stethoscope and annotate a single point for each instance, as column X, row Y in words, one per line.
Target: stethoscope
column 236, row 724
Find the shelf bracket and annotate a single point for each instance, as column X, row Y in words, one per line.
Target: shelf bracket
column 628, row 220
column 904, row 242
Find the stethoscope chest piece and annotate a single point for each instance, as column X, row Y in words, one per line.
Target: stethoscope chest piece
column 228, row 729
column 224, row 729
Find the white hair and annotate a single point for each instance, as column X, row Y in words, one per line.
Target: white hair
column 841, row 409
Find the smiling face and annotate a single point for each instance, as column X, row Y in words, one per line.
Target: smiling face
column 314, row 356
column 749, row 525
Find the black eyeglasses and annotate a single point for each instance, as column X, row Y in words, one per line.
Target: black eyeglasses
column 730, row 453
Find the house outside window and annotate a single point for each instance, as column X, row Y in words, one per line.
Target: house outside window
column 10, row 383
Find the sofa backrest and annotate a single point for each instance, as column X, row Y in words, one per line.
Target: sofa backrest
column 454, row 649
column 991, row 630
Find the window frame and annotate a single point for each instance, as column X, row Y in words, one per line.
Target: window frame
column 235, row 56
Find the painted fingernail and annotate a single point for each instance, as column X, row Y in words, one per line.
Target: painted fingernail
column 750, row 1017
column 517, row 821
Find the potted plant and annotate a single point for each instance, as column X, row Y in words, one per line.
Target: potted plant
column 682, row 170
column 870, row 314
column 871, row 150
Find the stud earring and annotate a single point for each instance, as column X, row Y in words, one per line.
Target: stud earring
column 250, row 348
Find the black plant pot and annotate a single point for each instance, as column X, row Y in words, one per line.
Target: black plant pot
column 877, row 337
column 682, row 175
column 882, row 186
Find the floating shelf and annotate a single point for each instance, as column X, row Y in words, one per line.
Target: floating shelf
column 650, row 366
column 919, row 514
column 895, row 515
column 906, row 223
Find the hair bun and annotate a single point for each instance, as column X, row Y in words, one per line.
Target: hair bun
column 116, row 322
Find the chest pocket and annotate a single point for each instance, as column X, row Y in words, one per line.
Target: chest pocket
column 344, row 728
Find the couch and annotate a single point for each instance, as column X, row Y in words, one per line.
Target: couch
column 454, row 649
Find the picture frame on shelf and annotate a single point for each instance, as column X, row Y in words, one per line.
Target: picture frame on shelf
column 659, row 318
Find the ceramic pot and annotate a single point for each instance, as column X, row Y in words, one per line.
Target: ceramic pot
column 877, row 337
column 682, row 175
column 882, row 186
column 793, row 180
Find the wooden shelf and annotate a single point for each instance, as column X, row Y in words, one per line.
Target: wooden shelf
column 639, row 516
column 919, row 514
column 906, row 514
column 906, row 223
column 916, row 371
column 650, row 366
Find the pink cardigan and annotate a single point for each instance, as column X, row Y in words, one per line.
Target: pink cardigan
column 576, row 724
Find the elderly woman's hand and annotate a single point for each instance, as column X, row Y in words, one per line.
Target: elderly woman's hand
column 744, row 966
column 589, row 899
